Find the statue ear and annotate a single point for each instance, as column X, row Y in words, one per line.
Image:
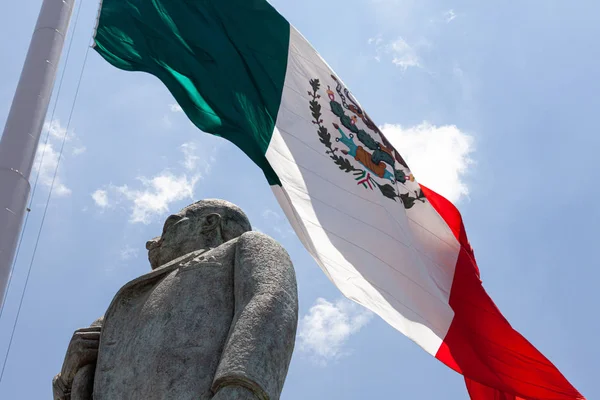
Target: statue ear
column 211, row 222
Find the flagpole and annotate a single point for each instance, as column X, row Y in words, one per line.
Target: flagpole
column 24, row 124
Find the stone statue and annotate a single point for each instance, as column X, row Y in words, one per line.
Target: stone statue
column 215, row 319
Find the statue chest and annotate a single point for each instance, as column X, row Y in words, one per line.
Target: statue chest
column 188, row 298
column 167, row 332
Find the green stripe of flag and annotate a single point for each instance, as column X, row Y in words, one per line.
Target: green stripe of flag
column 223, row 61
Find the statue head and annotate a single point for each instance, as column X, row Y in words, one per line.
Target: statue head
column 205, row 224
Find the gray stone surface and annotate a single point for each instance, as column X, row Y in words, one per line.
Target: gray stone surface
column 215, row 319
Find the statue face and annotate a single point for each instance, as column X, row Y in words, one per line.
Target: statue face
column 183, row 233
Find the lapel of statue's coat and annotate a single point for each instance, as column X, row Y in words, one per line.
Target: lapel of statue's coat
column 158, row 273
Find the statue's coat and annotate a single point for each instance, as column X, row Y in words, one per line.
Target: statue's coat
column 203, row 321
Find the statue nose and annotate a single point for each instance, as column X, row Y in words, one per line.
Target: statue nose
column 153, row 243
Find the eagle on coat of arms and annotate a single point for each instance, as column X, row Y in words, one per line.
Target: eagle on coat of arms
column 377, row 160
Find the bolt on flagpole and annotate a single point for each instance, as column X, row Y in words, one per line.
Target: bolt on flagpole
column 24, row 124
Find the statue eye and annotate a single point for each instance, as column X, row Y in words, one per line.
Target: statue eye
column 171, row 221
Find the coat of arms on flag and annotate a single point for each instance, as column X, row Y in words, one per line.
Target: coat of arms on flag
column 361, row 151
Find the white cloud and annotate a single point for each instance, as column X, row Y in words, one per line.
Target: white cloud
column 48, row 158
column 268, row 213
column 152, row 199
column 166, row 120
column 156, row 195
column 46, row 162
column 100, row 198
column 398, row 51
column 190, row 160
column 403, row 55
column 449, row 15
column 175, row 107
column 153, row 196
column 195, row 158
column 79, row 150
column 375, row 40
column 326, row 328
column 439, row 157
column 128, row 252
column 57, row 131
column 210, row 160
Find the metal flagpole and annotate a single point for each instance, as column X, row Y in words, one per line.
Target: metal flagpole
column 24, row 124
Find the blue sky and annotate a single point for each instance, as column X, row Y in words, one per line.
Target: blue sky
column 494, row 105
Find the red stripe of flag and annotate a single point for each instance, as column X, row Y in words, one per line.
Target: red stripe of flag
column 497, row 362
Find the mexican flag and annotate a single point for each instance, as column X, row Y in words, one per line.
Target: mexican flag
column 239, row 70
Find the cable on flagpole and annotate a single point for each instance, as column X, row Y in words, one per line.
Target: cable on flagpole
column 51, row 185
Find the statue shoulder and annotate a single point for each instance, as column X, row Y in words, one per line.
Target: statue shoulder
column 259, row 240
column 260, row 258
column 258, row 247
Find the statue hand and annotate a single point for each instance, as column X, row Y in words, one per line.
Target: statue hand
column 83, row 350
column 234, row 392
column 60, row 390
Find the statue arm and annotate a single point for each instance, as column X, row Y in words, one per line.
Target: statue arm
column 76, row 378
column 261, row 339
